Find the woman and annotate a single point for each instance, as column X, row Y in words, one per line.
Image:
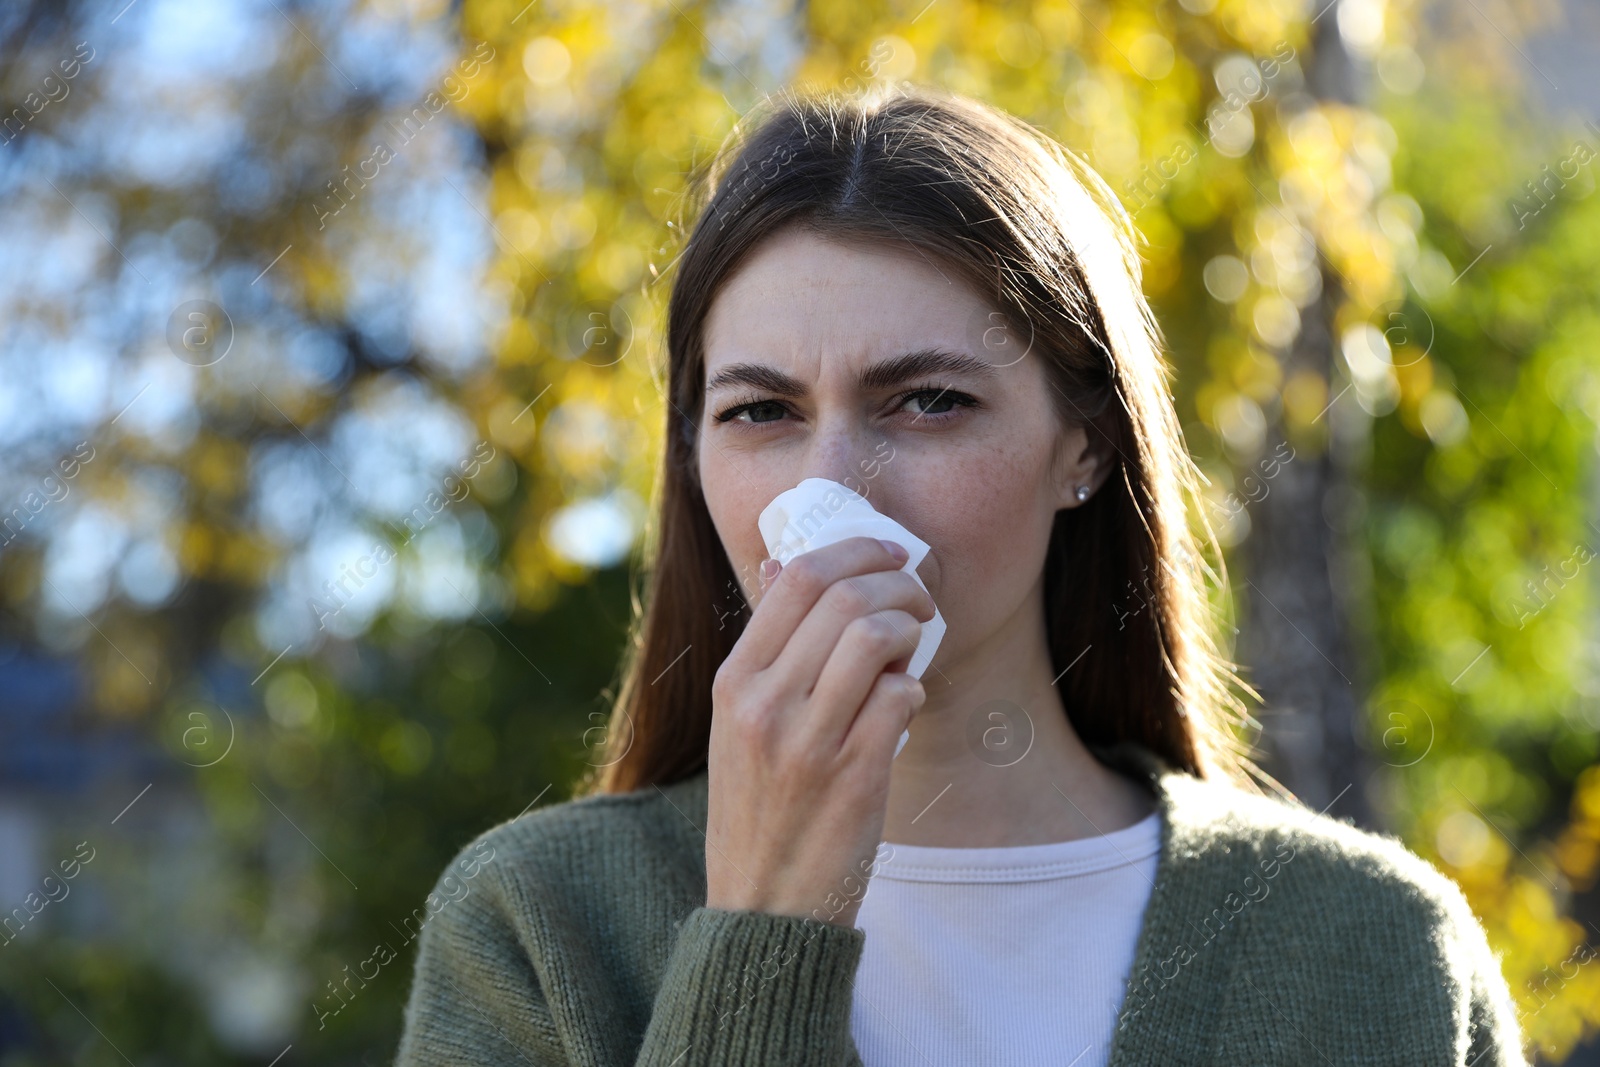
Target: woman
column 928, row 301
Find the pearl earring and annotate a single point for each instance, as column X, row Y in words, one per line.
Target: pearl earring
column 1083, row 493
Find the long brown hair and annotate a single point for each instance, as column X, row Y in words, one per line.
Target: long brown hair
column 1035, row 230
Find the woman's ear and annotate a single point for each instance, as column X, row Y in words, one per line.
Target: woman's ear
column 1072, row 464
column 1082, row 457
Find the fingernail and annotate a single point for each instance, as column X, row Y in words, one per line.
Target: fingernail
column 769, row 569
column 896, row 550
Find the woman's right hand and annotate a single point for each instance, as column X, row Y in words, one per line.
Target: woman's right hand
column 806, row 713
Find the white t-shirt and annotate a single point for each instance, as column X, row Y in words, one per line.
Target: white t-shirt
column 1001, row 956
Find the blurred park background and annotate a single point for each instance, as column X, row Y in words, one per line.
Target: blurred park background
column 329, row 349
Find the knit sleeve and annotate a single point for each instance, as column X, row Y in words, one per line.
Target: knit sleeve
column 738, row 987
column 753, row 987
column 1493, row 1033
column 475, row 1000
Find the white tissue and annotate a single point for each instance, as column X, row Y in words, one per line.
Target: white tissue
column 819, row 512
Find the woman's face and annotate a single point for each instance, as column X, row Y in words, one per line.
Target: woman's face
column 977, row 472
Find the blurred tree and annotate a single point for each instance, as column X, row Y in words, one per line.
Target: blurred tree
column 1301, row 561
column 248, row 507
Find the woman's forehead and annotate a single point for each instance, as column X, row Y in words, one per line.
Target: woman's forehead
column 801, row 300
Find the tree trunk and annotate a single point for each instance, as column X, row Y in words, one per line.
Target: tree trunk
column 1304, row 558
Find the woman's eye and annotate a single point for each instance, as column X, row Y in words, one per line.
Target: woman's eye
column 773, row 410
column 944, row 400
column 772, row 407
column 932, row 399
column 932, row 405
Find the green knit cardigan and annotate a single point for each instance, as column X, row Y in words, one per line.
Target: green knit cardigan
column 577, row 934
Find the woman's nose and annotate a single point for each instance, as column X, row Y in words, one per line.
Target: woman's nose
column 859, row 466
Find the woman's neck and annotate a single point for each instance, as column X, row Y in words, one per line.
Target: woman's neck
column 993, row 760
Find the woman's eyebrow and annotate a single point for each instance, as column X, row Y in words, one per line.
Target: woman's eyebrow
column 881, row 375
